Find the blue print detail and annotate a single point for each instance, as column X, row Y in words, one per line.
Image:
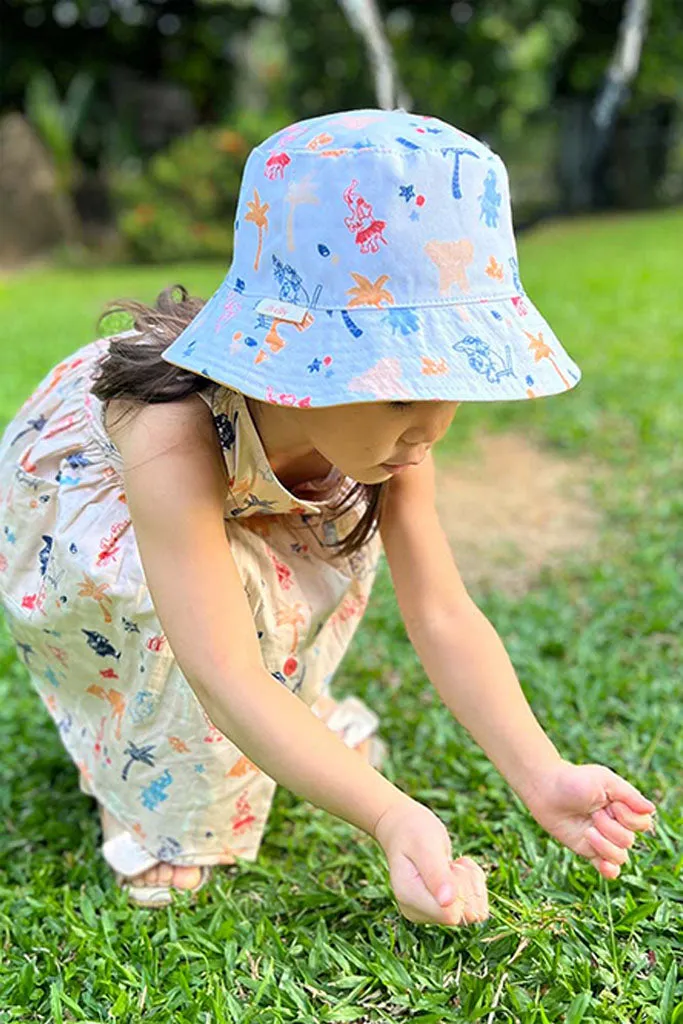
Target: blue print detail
column 134, row 753
column 406, row 142
column 44, row 553
column 77, row 459
column 239, row 285
column 482, row 359
column 403, row 320
column 406, row 192
column 169, row 849
column 514, row 266
column 314, row 366
column 143, row 706
column 458, row 151
column 100, row 644
column 354, row 329
column 36, row 424
column 490, row 200
column 291, row 284
column 51, row 677
column 323, row 250
column 226, row 429
column 155, row 792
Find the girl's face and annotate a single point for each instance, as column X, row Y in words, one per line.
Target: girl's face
column 359, row 438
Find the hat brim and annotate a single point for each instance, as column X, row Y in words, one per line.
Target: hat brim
column 478, row 351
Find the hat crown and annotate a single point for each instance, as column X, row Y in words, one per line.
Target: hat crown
column 374, row 209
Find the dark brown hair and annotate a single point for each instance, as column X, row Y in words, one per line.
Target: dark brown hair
column 137, row 372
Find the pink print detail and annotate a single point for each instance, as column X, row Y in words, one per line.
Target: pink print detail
column 60, row 654
column 108, row 673
column 381, row 380
column 244, row 818
column 284, row 573
column 3, row 563
column 109, row 546
column 275, row 166
column 520, row 305
column 156, row 643
column 362, row 222
column 284, row 399
column 230, row 309
column 290, row 666
column 66, row 422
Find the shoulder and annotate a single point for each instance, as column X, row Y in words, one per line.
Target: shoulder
column 158, row 426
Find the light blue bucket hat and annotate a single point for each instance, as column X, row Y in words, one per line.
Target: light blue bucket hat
column 374, row 260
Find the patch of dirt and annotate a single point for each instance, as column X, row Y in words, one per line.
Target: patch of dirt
column 511, row 507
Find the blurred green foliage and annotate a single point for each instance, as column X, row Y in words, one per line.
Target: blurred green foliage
column 182, row 205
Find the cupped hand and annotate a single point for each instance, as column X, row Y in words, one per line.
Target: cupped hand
column 429, row 886
column 592, row 811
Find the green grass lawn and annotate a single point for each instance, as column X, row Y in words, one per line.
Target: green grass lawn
column 310, row 933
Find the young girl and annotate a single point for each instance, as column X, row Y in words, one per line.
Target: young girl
column 192, row 515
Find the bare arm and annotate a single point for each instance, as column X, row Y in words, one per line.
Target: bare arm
column 175, row 483
column 459, row 648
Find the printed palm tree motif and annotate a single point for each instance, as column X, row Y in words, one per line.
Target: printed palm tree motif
column 257, row 215
column 459, row 152
column 542, row 350
column 369, row 293
column 298, row 193
column 134, row 753
column 117, row 701
column 96, row 591
column 292, row 615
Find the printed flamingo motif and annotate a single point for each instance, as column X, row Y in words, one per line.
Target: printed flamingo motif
column 275, row 166
column 368, row 230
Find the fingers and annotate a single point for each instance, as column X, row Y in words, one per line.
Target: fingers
column 605, row 867
column 610, row 828
column 619, row 789
column 629, row 818
column 606, row 849
column 470, row 878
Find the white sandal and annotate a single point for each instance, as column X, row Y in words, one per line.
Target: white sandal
column 128, row 858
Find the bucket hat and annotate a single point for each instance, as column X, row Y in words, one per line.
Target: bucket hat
column 374, row 260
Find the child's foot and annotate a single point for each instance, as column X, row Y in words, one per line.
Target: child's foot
column 162, row 874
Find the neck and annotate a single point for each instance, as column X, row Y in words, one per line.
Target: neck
column 290, row 454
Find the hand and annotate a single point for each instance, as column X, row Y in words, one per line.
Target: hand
column 592, row 811
column 418, row 852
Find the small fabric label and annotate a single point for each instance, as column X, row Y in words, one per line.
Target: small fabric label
column 282, row 310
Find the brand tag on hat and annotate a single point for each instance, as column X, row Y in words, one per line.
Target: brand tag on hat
column 281, row 310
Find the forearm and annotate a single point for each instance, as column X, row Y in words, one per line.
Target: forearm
column 282, row 736
column 468, row 665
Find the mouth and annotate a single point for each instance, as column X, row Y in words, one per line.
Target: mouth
column 397, row 467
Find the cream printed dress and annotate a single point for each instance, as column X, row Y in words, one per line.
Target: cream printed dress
column 79, row 610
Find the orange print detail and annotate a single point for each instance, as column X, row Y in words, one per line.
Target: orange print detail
column 434, row 367
column 494, row 268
